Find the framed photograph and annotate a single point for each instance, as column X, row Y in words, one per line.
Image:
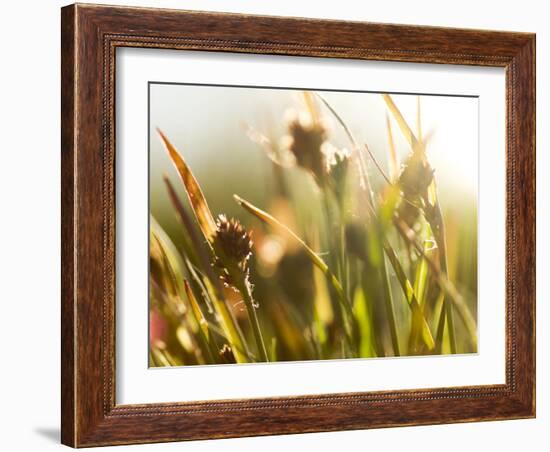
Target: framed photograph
column 282, row 225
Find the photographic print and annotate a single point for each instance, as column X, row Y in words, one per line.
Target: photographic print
column 292, row 224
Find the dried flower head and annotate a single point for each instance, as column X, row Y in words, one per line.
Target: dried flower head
column 233, row 247
column 305, row 142
column 338, row 165
column 414, row 181
column 417, row 175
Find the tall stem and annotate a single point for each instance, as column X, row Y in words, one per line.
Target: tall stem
column 343, row 261
column 346, row 309
column 244, row 288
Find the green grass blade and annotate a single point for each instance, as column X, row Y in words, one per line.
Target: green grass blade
column 163, row 246
column 420, row 289
column 444, row 283
column 367, row 346
column 273, row 350
column 197, row 311
column 420, row 279
column 204, row 326
column 408, row 290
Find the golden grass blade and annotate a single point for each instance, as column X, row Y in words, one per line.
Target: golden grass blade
column 392, row 154
column 405, row 129
column 191, row 242
column 273, row 222
column 194, row 192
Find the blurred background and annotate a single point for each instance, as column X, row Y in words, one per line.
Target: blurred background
column 207, row 124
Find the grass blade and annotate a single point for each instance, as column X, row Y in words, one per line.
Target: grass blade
column 207, row 225
column 313, row 256
column 420, row 289
column 392, row 153
column 435, row 220
column 194, row 192
column 204, row 326
column 163, row 249
column 197, row 311
column 229, row 325
column 405, row 129
column 438, row 228
column 418, row 316
column 444, row 283
column 362, row 165
column 364, row 316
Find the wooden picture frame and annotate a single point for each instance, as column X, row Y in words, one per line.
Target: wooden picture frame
column 90, row 36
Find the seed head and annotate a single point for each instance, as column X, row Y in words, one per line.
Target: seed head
column 416, row 177
column 306, row 139
column 338, row 165
column 233, row 247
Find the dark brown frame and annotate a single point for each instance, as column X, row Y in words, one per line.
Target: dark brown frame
column 90, row 35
